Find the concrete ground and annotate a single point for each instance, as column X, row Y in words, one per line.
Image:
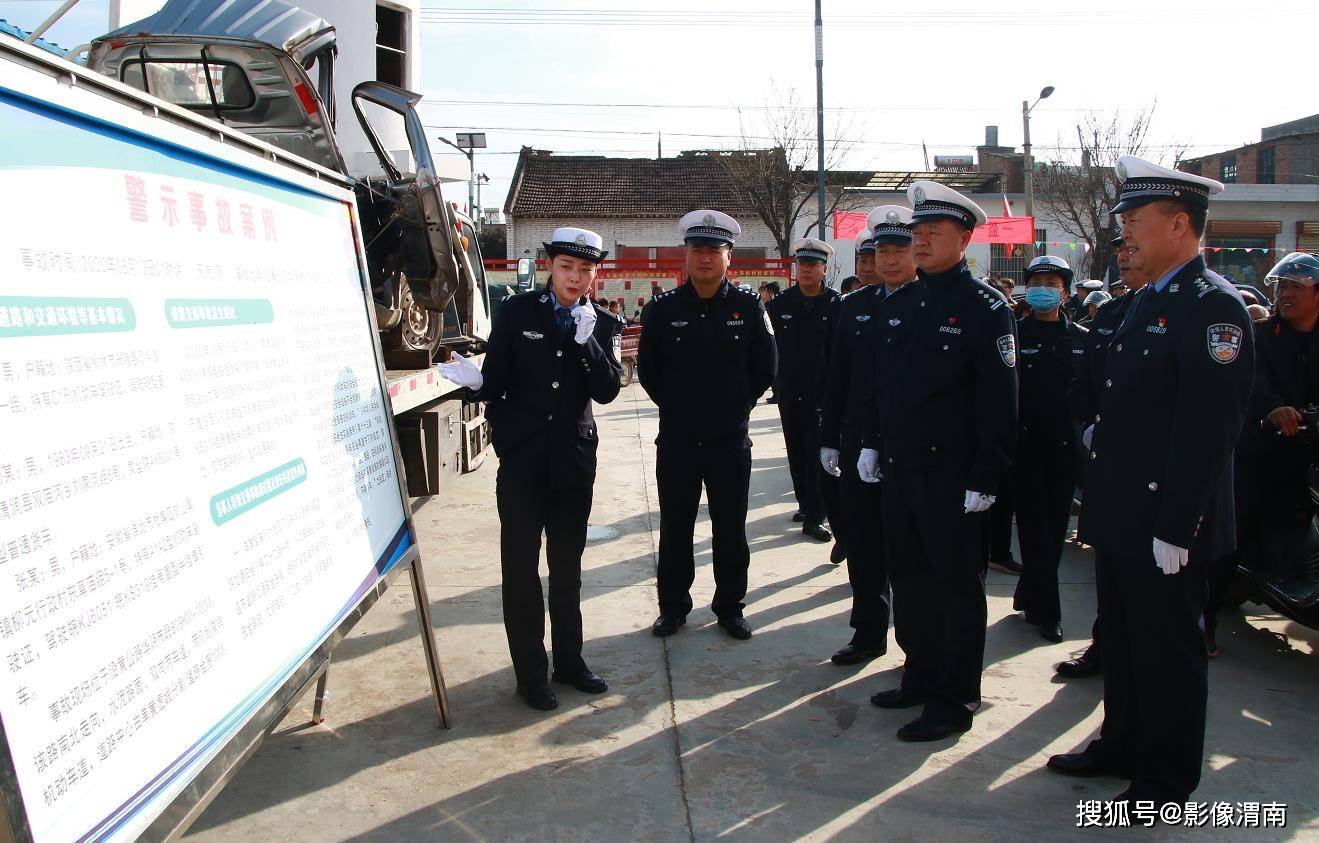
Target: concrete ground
column 702, row 737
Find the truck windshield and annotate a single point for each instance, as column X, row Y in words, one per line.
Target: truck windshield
column 184, row 82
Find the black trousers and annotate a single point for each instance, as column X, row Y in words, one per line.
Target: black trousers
column 1155, row 673
column 724, row 468
column 1000, row 525
column 801, row 436
column 867, row 558
column 936, row 563
column 530, row 505
column 1042, row 497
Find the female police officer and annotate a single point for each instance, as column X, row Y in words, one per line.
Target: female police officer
column 548, row 358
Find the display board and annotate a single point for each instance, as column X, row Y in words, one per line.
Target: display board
column 198, row 476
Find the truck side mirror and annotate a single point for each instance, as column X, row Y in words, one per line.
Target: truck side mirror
column 526, row 273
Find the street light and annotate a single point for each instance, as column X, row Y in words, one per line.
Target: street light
column 468, row 143
column 1026, row 163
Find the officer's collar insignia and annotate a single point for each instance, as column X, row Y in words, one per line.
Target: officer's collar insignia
column 895, row 322
column 1007, row 349
column 678, row 324
column 863, row 317
column 544, row 299
column 1224, row 342
column 1175, row 288
column 533, row 335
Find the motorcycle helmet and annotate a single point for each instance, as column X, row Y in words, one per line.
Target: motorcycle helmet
column 1299, row 267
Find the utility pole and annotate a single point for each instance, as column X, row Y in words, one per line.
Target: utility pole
column 1028, row 167
column 467, row 144
column 819, row 115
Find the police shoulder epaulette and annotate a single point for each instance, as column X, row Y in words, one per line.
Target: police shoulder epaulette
column 992, row 298
column 748, row 293
column 666, row 294
column 1202, row 287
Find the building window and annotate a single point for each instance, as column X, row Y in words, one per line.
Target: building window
column 1229, row 169
column 1267, row 169
column 392, row 46
column 1245, row 260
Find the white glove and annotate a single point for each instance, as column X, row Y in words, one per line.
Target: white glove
column 1088, row 436
column 583, row 316
column 463, row 372
column 829, row 459
column 1170, row 557
column 867, row 466
column 977, row 501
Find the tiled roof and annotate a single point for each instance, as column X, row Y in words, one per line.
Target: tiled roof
column 964, row 182
column 591, row 186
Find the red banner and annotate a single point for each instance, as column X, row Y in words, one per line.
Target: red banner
column 848, row 224
column 1006, row 230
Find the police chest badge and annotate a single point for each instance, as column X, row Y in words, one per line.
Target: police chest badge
column 1224, row 342
column 1007, row 349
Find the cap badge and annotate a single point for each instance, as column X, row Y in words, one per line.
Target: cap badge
column 708, row 219
column 581, row 240
column 1122, row 171
column 892, row 218
column 919, row 193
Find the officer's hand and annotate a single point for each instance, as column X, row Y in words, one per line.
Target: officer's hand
column 867, row 466
column 977, row 501
column 829, row 459
column 1170, row 557
column 463, row 372
column 1088, row 436
column 583, row 316
column 1286, row 419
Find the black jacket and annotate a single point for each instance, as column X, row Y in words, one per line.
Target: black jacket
column 705, row 362
column 847, row 397
column 1286, row 369
column 1049, row 365
column 534, row 384
column 947, row 380
column 1176, row 386
column 1088, row 387
column 801, row 329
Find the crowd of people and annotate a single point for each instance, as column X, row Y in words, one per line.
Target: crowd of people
column 923, row 413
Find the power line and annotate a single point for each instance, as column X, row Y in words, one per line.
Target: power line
column 715, row 107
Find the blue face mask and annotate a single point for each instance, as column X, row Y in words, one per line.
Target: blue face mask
column 1044, row 298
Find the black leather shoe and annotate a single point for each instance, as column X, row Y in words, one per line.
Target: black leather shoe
column 1007, row 566
column 539, row 697
column 736, row 628
column 1051, row 632
column 1082, row 764
column 897, row 698
column 586, row 681
column 817, row 532
column 855, row 653
column 666, row 625
column 838, row 554
column 1080, row 667
column 929, row 727
column 797, row 518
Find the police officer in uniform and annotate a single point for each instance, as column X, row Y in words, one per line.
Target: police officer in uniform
column 946, row 406
column 1086, row 391
column 848, row 402
column 1048, row 441
column 800, row 319
column 548, row 358
column 1158, row 503
column 706, row 357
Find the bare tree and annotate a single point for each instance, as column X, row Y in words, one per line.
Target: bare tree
column 1080, row 189
column 774, row 171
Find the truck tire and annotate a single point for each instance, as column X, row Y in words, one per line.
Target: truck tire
column 419, row 329
column 629, row 369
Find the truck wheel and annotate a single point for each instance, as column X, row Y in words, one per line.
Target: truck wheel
column 419, row 329
column 629, row 369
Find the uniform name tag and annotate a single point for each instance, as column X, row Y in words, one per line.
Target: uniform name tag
column 949, row 329
column 734, row 322
column 1224, row 342
column 533, row 335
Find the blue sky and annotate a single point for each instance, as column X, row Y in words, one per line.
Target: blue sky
column 1218, row 70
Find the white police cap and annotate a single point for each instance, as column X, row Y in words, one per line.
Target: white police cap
column 1144, row 182
column 933, row 201
column 1097, row 297
column 1049, row 263
column 865, row 244
column 890, row 224
column 713, row 228
column 577, row 243
column 811, row 249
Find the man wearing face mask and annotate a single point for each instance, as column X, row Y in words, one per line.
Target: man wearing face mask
column 548, row 358
column 800, row 318
column 1159, row 493
column 1045, row 469
column 849, row 398
column 946, row 398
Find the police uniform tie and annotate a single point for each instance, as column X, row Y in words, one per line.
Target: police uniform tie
column 563, row 322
